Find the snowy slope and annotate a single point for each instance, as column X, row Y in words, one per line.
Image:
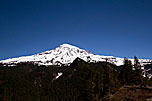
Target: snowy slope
column 66, row 54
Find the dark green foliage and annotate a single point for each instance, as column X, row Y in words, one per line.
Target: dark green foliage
column 126, row 74
column 131, row 74
column 138, row 71
column 80, row 81
column 111, row 83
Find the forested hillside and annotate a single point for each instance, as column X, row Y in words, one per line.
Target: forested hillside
column 81, row 81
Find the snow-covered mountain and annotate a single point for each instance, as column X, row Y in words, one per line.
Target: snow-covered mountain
column 66, row 54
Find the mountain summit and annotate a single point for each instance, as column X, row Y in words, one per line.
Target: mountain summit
column 66, row 54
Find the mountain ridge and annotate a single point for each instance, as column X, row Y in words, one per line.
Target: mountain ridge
column 65, row 54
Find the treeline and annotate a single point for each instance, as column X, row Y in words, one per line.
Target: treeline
column 80, row 81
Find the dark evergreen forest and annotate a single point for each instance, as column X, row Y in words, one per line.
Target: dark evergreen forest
column 80, row 81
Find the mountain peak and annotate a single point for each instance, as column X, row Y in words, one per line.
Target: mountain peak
column 68, row 45
column 65, row 54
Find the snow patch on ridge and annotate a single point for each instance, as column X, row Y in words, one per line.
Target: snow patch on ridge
column 59, row 74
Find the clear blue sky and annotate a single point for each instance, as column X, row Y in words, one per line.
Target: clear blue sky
column 108, row 27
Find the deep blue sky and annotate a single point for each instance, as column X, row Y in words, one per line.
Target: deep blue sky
column 108, row 27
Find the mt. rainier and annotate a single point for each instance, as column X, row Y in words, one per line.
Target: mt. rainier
column 66, row 54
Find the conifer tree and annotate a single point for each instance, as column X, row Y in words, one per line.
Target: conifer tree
column 136, row 63
column 138, row 71
column 99, row 84
column 111, row 82
column 126, row 73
